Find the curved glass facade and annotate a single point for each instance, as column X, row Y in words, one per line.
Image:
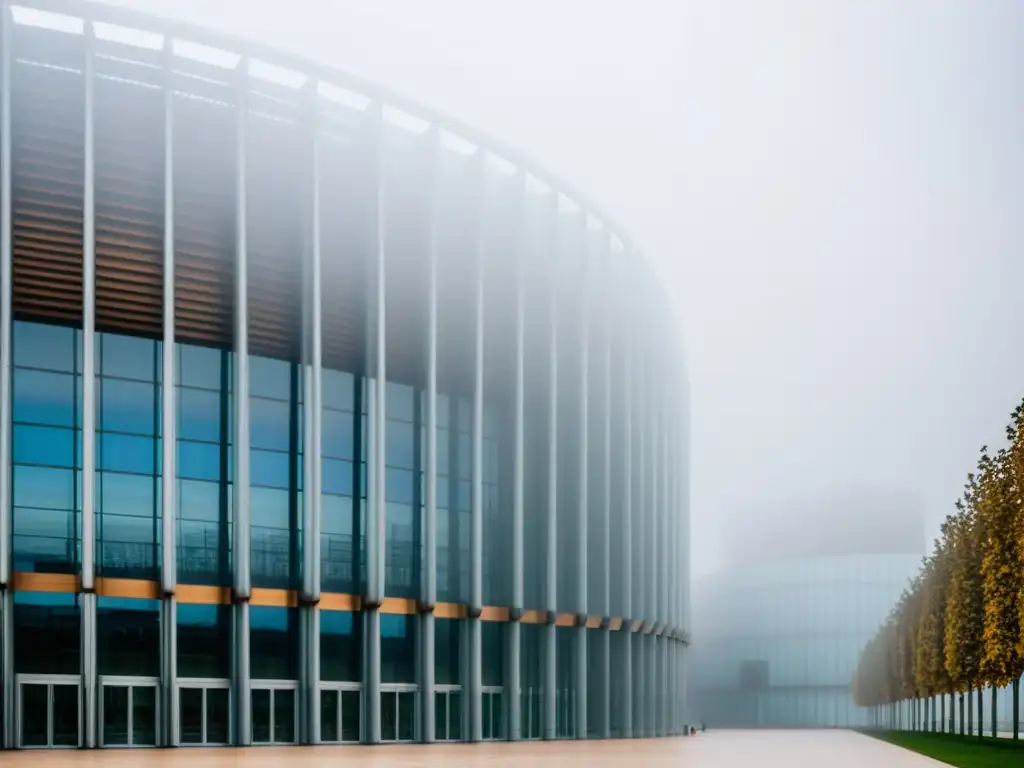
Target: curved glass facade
column 779, row 642
column 327, row 420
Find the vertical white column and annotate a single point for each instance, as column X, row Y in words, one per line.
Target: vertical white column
column 6, row 339
column 241, row 521
column 6, row 280
column 168, row 431
column 476, row 520
column 629, row 357
column 582, row 519
column 428, row 581
column 512, row 678
column 312, row 414
column 89, row 680
column 551, row 570
column 376, row 507
column 605, row 291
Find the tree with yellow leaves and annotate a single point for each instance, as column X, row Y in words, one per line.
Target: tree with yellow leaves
column 1002, row 579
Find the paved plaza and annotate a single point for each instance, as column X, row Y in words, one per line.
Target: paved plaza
column 718, row 749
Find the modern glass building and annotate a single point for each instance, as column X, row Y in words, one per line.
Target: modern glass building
column 323, row 418
column 781, row 627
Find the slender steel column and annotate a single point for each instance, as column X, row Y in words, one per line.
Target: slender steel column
column 476, row 520
column 312, row 413
column 376, row 509
column 7, row 697
column 89, row 681
column 7, row 656
column 241, row 526
column 628, row 362
column 605, row 290
column 640, row 518
column 6, row 275
column 428, row 580
column 512, row 687
column 169, row 671
column 551, row 570
column 582, row 492
column 168, row 434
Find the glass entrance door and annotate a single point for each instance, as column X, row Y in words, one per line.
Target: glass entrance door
column 398, row 713
column 493, row 722
column 128, row 711
column 448, row 713
column 48, row 713
column 274, row 714
column 204, row 712
column 532, row 703
column 340, row 713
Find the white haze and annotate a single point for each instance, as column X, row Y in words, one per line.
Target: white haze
column 832, row 188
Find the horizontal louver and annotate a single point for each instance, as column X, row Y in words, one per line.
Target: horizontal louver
column 204, row 220
column 129, row 142
column 47, row 145
column 276, row 242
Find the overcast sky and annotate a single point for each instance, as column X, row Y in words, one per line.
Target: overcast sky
column 832, row 187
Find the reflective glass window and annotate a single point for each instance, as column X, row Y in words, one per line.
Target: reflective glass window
column 47, row 633
column 274, row 643
column 341, row 643
column 397, row 648
column 128, row 637
column 204, row 641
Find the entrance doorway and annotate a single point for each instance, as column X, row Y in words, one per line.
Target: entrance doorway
column 204, row 712
column 48, row 713
column 129, row 711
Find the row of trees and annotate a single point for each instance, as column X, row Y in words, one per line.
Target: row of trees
column 959, row 625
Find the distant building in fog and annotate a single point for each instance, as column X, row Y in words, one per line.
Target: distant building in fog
column 803, row 587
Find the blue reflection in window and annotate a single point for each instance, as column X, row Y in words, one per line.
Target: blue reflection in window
column 336, row 477
column 41, row 397
column 127, row 453
column 269, row 469
column 128, row 357
column 50, row 446
column 43, row 487
column 198, row 415
column 48, row 347
column 199, row 461
column 127, row 406
column 199, row 367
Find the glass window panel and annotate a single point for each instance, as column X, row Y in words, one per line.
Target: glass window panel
column 66, row 719
column 338, row 436
column 35, row 715
column 269, row 469
column 338, row 390
column 144, row 715
column 128, row 357
column 260, row 715
column 398, row 648
column 269, row 507
column 199, row 366
column 43, row 488
column 217, row 715
column 49, row 446
column 400, row 444
column 388, row 716
column 127, row 406
column 204, row 641
column 269, row 424
column 198, row 461
column 47, row 633
column 407, row 716
column 330, row 715
column 45, row 540
column 127, row 453
column 128, row 636
column 269, row 378
column 446, row 651
column 199, row 414
column 51, row 347
column 440, row 715
column 351, row 711
column 123, row 494
column 115, row 715
column 337, row 477
column 199, row 500
column 400, row 486
column 41, row 397
column 273, row 643
column 284, row 717
column 400, row 400
column 341, row 646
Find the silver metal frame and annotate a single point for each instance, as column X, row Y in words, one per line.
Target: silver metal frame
column 340, row 688
column 204, row 684
column 121, row 681
column 49, row 681
column 400, row 688
column 273, row 686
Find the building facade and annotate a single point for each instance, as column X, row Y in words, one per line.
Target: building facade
column 323, row 418
column 803, row 586
column 779, row 642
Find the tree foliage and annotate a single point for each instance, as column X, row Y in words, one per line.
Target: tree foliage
column 959, row 624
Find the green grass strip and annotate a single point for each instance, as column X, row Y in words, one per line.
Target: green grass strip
column 961, row 751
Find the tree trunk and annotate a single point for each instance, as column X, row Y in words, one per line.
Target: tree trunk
column 981, row 712
column 962, row 731
column 995, row 714
column 1016, row 708
column 970, row 711
column 942, row 713
column 952, row 713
